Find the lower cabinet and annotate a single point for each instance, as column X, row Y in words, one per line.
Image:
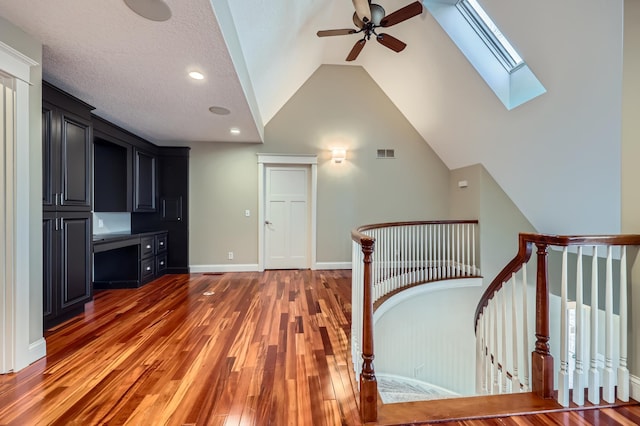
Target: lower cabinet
column 66, row 265
column 129, row 261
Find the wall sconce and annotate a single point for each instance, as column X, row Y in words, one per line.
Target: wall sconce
column 338, row 155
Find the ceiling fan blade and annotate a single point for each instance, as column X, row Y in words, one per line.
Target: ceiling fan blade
column 362, row 10
column 402, row 14
column 357, row 21
column 327, row 33
column 391, row 42
column 356, row 49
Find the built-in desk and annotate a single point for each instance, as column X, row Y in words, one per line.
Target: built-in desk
column 125, row 260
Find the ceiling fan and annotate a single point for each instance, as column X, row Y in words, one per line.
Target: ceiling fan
column 369, row 16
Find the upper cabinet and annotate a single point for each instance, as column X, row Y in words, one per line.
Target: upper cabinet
column 112, row 168
column 144, row 181
column 125, row 170
column 67, row 141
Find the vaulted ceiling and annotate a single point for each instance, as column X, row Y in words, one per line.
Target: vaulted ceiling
column 256, row 54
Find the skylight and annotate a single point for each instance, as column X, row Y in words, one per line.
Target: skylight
column 487, row 49
column 490, row 34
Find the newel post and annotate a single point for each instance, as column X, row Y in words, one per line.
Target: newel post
column 368, row 383
column 541, row 359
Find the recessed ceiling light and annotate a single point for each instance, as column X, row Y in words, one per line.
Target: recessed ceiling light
column 154, row 10
column 196, row 75
column 218, row 110
column 235, row 131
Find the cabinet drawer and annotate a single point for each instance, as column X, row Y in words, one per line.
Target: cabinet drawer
column 161, row 264
column 161, row 243
column 147, row 269
column 146, row 247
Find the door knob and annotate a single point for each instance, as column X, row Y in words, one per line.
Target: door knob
column 266, row 222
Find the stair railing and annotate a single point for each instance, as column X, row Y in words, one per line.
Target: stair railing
column 502, row 323
column 406, row 254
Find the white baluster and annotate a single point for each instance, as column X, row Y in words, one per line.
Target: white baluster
column 608, row 376
column 473, row 249
column 487, row 355
column 563, row 374
column 594, row 375
column 479, row 355
column 494, row 346
column 525, row 331
column 578, row 374
column 623, row 372
column 503, row 302
column 515, row 380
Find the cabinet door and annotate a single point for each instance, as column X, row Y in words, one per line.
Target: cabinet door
column 75, row 154
column 171, row 209
column 75, row 260
column 50, row 269
column 144, row 185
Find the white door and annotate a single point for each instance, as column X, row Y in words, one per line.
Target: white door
column 286, row 225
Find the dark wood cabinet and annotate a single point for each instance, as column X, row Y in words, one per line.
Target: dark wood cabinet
column 67, row 142
column 66, row 156
column 174, row 206
column 112, row 182
column 128, row 261
column 144, row 181
column 66, row 265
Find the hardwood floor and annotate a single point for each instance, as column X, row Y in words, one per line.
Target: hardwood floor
column 236, row 349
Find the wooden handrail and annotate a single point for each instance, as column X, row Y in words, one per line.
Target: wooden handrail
column 542, row 361
column 363, row 228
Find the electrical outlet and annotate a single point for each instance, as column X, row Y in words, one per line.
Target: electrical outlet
column 100, row 223
column 247, row 213
column 230, row 255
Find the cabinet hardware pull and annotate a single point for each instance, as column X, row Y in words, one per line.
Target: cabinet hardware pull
column 161, row 243
column 148, row 268
column 161, row 263
column 148, row 246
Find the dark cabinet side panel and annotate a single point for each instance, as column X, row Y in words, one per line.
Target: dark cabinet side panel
column 50, row 269
column 48, row 161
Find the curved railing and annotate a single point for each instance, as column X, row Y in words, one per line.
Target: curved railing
column 502, row 322
column 390, row 257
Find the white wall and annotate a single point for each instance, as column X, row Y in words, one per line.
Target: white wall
column 557, row 156
column 630, row 170
column 339, row 106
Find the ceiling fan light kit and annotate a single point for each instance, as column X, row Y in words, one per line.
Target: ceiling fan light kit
column 368, row 17
column 153, row 10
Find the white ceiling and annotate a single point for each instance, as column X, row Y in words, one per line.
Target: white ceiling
column 255, row 54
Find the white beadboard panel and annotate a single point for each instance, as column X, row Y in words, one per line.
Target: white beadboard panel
column 430, row 337
column 635, row 388
column 324, row 266
column 250, row 267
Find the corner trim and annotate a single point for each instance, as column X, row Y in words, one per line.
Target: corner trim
column 236, row 267
column 323, row 266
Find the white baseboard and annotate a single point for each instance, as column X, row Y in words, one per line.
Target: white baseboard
column 634, row 392
column 323, row 266
column 37, row 350
column 234, row 267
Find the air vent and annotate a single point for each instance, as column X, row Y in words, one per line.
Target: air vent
column 386, row 153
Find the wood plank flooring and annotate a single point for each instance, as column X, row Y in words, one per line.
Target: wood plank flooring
column 266, row 348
